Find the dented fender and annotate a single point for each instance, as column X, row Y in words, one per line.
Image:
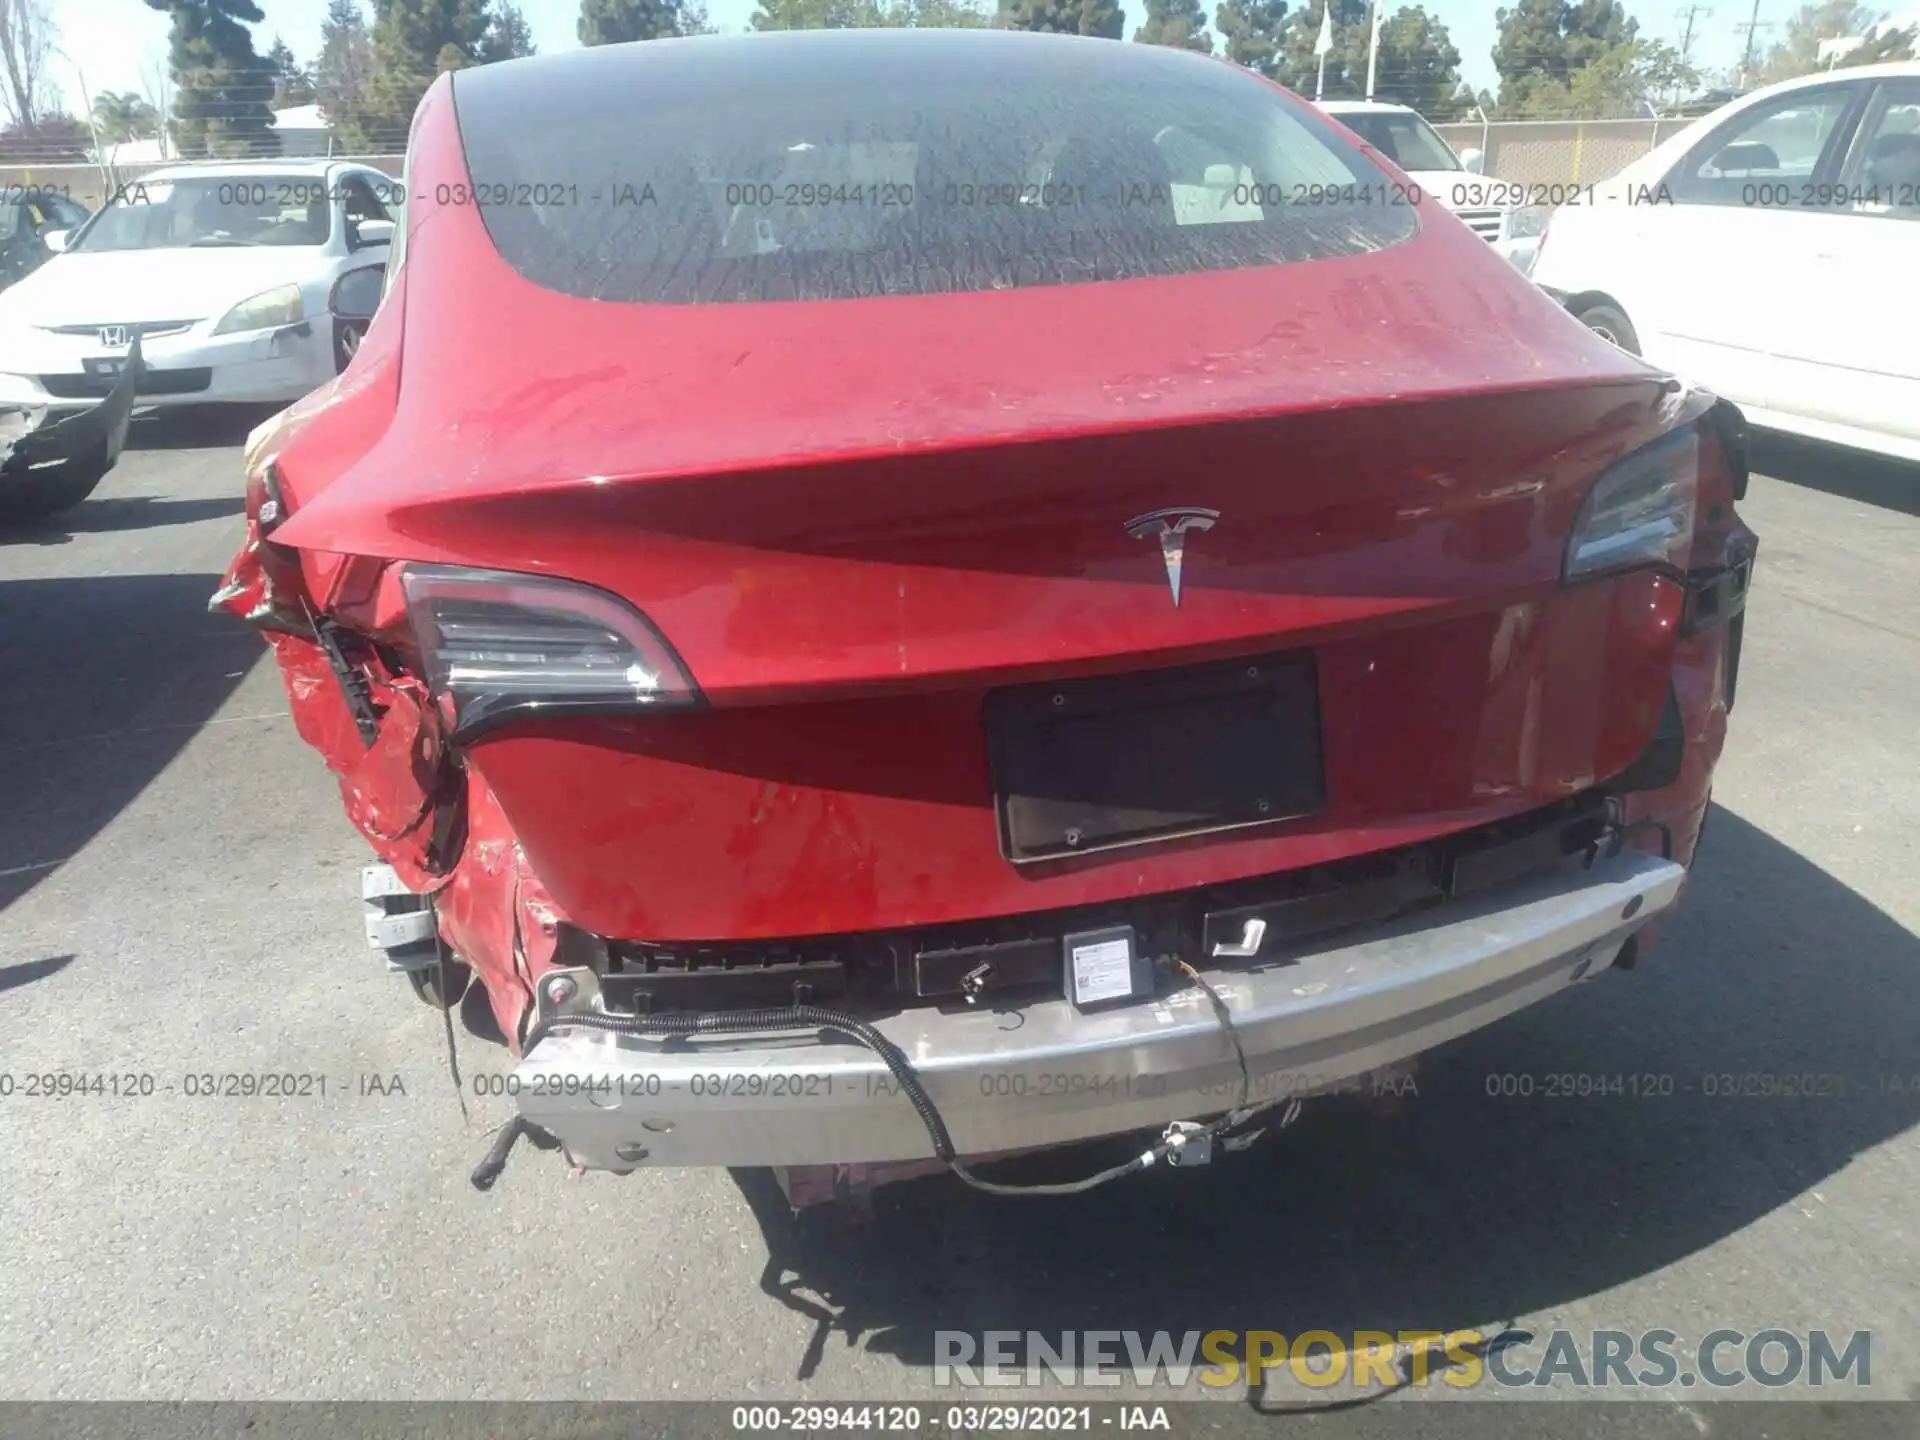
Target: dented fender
column 405, row 787
column 495, row 913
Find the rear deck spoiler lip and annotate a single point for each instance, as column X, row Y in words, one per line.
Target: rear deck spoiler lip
column 73, row 434
column 392, row 500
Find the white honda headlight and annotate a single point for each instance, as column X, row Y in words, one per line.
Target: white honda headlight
column 281, row 305
column 1523, row 222
column 1640, row 510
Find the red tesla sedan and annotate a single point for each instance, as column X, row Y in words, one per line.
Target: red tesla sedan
column 900, row 597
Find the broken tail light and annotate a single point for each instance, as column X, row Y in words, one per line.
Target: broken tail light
column 500, row 645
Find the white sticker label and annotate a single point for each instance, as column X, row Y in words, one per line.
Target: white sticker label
column 1102, row 971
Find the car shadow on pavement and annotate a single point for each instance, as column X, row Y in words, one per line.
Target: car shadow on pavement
column 113, row 675
column 1836, row 470
column 12, row 977
column 196, row 427
column 1454, row 1209
column 119, row 512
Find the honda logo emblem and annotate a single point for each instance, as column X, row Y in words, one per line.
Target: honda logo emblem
column 1172, row 525
column 114, row 337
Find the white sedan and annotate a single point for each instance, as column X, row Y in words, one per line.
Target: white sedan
column 1770, row 252
column 231, row 275
column 1454, row 181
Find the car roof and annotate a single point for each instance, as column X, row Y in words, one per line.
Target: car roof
column 261, row 165
column 1886, row 70
column 1727, row 101
column 772, row 55
column 1364, row 107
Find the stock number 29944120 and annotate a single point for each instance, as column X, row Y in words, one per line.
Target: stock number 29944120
column 1808, row 195
column 813, row 1418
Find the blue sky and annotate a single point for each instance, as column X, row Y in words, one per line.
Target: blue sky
column 111, row 40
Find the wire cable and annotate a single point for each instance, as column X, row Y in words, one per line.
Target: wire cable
column 1225, row 1018
column 804, row 1017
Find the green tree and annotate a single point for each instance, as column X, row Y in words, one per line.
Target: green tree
column 413, row 41
column 1798, row 52
column 292, row 82
column 508, row 37
column 1299, row 68
column 1418, row 65
column 1181, row 24
column 1631, row 78
column 1625, row 80
column 341, row 74
column 615, row 22
column 1250, row 31
column 939, row 15
column 1885, row 44
column 292, row 85
column 1580, row 58
column 817, row 15
column 1063, row 17
column 123, row 116
column 222, row 89
column 1532, row 41
column 1554, row 38
column 867, row 14
column 1595, row 28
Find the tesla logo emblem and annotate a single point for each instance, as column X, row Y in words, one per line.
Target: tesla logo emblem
column 113, row 336
column 1172, row 527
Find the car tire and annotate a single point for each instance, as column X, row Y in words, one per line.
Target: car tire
column 37, row 494
column 1610, row 323
column 426, row 984
column 347, row 335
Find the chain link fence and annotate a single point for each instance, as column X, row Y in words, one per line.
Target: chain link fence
column 1554, row 152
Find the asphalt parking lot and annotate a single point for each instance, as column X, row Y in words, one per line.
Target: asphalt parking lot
column 179, row 893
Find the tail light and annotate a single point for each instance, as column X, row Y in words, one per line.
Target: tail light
column 1640, row 511
column 500, row 644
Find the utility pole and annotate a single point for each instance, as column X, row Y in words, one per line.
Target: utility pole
column 1686, row 36
column 93, row 124
column 1323, row 47
column 1753, row 28
column 1693, row 12
column 1373, row 49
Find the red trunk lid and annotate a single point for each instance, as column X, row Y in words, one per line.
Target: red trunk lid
column 887, row 508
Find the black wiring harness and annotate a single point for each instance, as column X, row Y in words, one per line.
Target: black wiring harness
column 1178, row 1137
column 815, row 1017
column 1619, row 829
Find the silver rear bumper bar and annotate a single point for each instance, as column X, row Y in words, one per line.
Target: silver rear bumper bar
column 1041, row 1074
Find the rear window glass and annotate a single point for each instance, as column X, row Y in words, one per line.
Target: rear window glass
column 808, row 166
column 1406, row 140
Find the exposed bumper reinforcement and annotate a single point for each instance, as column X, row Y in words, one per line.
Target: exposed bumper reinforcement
column 1035, row 1075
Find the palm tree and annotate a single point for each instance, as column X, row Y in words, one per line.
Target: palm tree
column 123, row 116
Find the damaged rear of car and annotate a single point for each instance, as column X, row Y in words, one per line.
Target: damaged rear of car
column 1009, row 591
column 51, row 460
